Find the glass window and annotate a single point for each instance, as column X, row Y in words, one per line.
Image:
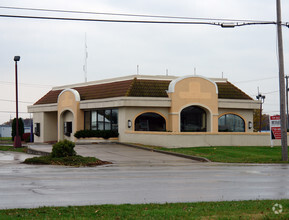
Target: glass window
column 101, row 119
column 67, row 128
column 87, row 119
column 114, row 122
column 107, row 119
column 231, row 123
column 193, row 119
column 93, row 120
column 150, row 122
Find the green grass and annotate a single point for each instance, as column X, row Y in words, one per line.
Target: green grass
column 76, row 161
column 260, row 209
column 6, row 140
column 11, row 148
column 232, row 154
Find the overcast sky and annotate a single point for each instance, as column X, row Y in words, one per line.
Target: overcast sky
column 52, row 52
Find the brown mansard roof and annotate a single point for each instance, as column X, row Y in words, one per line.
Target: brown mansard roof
column 137, row 88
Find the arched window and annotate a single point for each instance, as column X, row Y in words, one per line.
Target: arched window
column 193, row 119
column 150, row 122
column 231, row 123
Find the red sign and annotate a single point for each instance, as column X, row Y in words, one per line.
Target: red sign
column 275, row 127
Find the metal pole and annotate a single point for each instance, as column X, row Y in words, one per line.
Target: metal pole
column 281, row 85
column 17, row 138
column 287, row 100
column 260, row 123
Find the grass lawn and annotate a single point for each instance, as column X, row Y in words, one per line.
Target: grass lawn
column 261, row 209
column 231, row 154
column 11, row 148
column 6, row 140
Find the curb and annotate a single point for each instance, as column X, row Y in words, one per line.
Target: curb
column 201, row 159
column 37, row 152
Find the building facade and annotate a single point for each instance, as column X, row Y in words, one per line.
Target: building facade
column 143, row 105
column 5, row 131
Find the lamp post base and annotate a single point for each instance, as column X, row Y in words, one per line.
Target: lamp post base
column 17, row 142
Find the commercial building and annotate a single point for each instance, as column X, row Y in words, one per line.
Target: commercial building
column 174, row 111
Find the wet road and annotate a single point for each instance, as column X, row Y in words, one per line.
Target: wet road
column 33, row 186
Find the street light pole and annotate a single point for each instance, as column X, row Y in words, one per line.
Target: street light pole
column 17, row 138
column 281, row 85
column 262, row 99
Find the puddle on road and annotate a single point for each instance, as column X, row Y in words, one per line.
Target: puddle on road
column 9, row 156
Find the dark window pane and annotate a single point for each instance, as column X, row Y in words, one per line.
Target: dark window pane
column 68, row 128
column 114, row 122
column 101, row 119
column 231, row 123
column 150, row 122
column 193, row 119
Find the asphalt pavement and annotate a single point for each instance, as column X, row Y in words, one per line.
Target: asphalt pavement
column 136, row 180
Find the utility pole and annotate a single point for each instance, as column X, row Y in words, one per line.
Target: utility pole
column 287, row 100
column 281, row 84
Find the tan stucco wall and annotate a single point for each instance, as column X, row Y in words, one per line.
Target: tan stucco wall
column 195, row 91
column 48, row 126
column 175, row 140
column 67, row 102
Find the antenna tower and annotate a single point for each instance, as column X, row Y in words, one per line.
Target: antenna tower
column 85, row 60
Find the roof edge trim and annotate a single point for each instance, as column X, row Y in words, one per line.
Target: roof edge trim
column 74, row 92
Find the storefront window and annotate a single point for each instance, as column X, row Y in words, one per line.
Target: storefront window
column 231, row 123
column 101, row 119
column 193, row 119
column 150, row 122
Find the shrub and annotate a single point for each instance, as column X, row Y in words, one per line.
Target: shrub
column 92, row 133
column 26, row 137
column 20, row 128
column 63, row 148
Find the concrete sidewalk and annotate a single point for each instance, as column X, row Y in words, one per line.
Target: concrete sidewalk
column 119, row 154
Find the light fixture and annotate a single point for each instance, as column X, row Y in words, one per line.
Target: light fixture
column 129, row 123
column 250, row 125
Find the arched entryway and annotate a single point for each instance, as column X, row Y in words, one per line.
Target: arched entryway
column 193, row 119
column 66, row 125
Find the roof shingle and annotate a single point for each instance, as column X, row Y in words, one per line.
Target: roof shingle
column 137, row 88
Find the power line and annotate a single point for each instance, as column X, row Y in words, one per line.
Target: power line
column 128, row 14
column 7, row 100
column 25, row 84
column 137, row 21
column 14, row 112
column 108, row 20
column 255, row 80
